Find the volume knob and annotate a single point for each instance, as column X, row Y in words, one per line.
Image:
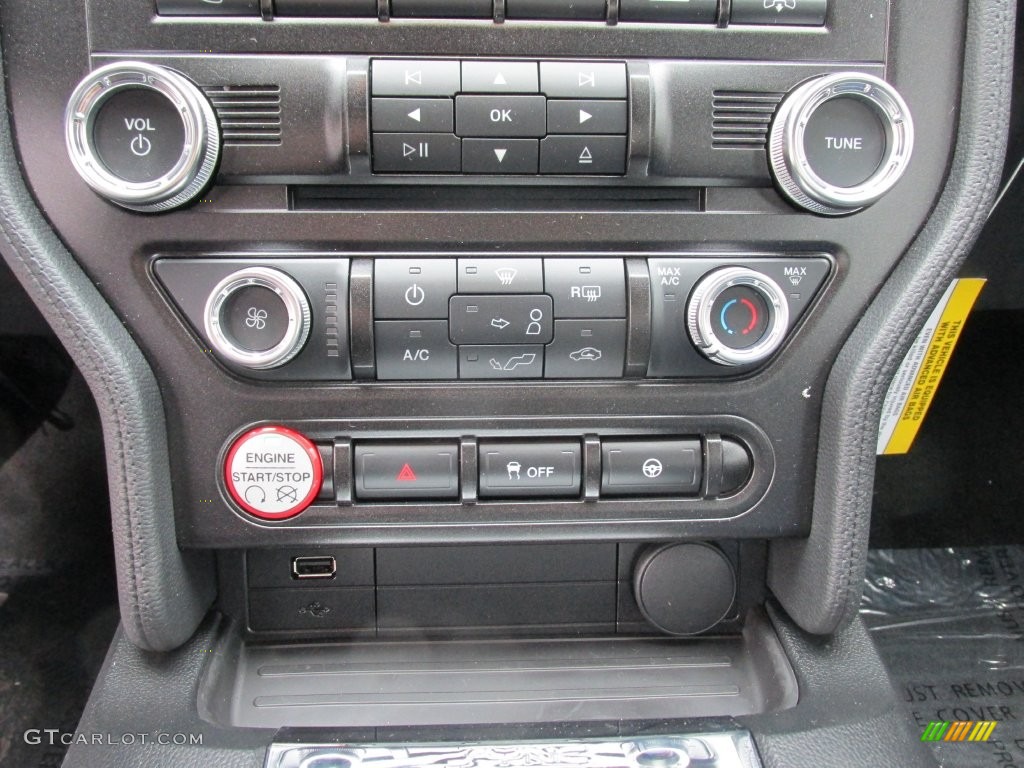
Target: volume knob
column 840, row 142
column 142, row 136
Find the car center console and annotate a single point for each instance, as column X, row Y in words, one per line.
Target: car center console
column 511, row 320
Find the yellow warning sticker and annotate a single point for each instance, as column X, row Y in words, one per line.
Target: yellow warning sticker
column 913, row 389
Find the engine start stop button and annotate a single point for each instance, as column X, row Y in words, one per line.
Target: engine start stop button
column 273, row 472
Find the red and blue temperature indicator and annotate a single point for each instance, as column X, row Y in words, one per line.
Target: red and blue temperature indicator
column 742, row 316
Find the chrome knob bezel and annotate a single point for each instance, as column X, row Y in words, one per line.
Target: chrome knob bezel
column 701, row 325
column 296, row 305
column 788, row 153
column 200, row 150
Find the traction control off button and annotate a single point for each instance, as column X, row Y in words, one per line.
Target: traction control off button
column 273, row 472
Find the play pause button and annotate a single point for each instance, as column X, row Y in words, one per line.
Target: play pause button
column 499, row 156
column 416, row 153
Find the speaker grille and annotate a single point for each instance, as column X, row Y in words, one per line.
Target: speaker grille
column 741, row 119
column 249, row 115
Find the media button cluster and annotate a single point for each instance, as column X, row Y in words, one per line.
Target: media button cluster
column 499, row 117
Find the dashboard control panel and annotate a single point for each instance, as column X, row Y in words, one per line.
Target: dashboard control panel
column 471, row 317
column 151, row 135
column 275, row 473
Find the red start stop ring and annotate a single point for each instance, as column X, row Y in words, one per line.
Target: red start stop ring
column 274, row 472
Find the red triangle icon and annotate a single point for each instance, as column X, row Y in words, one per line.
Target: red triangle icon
column 406, row 475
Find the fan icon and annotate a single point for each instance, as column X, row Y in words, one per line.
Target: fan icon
column 256, row 318
column 780, row 5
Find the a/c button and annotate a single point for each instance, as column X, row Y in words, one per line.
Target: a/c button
column 414, row 350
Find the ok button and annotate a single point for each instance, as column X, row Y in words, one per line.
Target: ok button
column 501, row 116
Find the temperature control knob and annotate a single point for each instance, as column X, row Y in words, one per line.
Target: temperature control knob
column 258, row 318
column 840, row 142
column 737, row 316
column 142, row 136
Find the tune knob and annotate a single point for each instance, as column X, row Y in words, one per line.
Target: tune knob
column 840, row 142
column 737, row 316
column 142, row 136
column 258, row 318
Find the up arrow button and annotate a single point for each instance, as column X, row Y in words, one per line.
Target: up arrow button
column 499, row 77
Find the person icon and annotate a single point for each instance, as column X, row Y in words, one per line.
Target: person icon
column 534, row 328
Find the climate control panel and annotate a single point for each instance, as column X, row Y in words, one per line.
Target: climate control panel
column 478, row 318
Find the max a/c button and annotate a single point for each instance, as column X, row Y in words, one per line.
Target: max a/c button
column 512, row 470
column 400, row 471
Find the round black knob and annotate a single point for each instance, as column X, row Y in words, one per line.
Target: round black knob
column 840, row 142
column 258, row 318
column 684, row 589
column 142, row 136
column 737, row 316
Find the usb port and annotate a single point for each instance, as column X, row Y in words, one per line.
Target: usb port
column 314, row 567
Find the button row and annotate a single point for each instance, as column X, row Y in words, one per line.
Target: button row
column 520, row 469
column 757, row 12
column 501, row 116
column 555, row 79
column 421, row 350
column 446, row 153
column 422, row 288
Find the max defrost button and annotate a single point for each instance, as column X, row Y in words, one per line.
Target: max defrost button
column 396, row 471
column 511, row 470
column 273, row 472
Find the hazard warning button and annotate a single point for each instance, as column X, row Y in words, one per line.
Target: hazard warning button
column 407, row 471
column 273, row 472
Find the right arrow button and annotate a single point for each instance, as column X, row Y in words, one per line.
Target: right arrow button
column 589, row 116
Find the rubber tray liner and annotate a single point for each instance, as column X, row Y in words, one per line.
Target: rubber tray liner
column 949, row 624
column 364, row 684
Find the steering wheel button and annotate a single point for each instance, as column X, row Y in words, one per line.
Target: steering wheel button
column 651, row 467
column 273, row 472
